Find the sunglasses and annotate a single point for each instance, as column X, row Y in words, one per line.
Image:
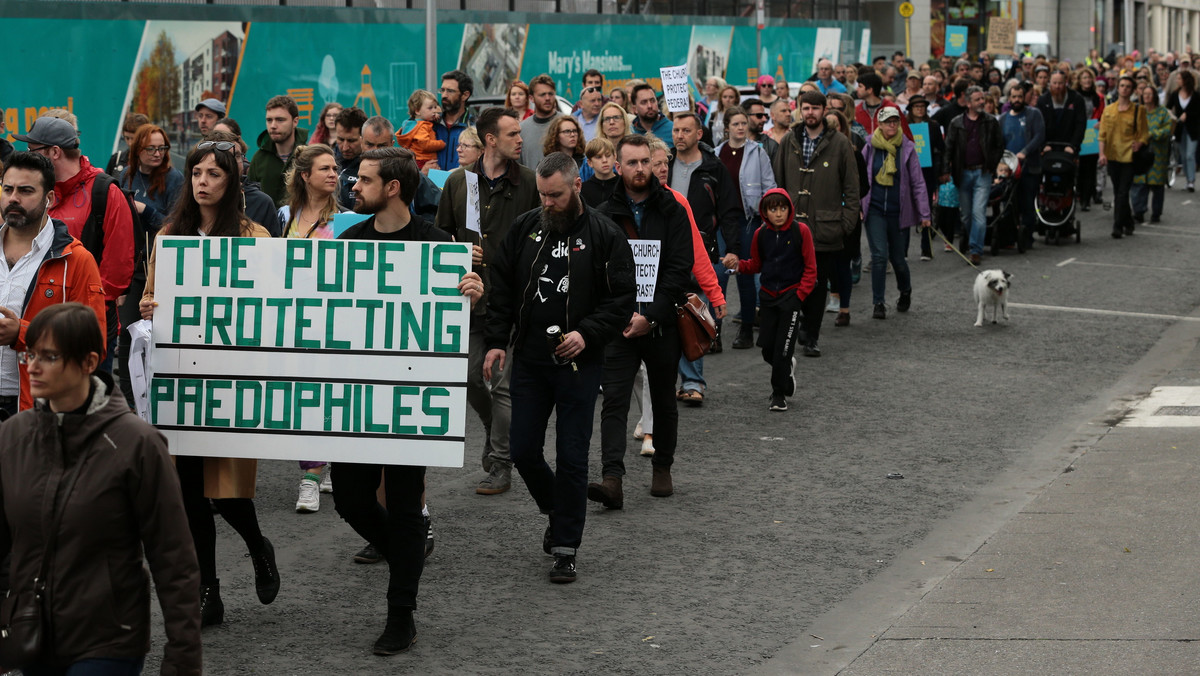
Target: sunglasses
column 219, row 145
column 589, row 90
column 761, row 116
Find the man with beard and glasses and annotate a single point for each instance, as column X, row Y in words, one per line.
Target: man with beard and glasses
column 456, row 90
column 505, row 190
column 387, row 181
column 756, row 117
column 35, row 250
column 1024, row 134
column 562, row 266
column 644, row 209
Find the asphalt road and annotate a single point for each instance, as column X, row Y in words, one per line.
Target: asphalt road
column 776, row 516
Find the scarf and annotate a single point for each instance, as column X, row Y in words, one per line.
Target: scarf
column 886, row 173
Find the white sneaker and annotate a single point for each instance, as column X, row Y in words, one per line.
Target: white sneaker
column 834, row 304
column 637, row 431
column 327, row 482
column 648, row 446
column 793, row 376
column 310, row 497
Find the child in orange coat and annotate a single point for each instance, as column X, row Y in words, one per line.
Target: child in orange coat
column 417, row 133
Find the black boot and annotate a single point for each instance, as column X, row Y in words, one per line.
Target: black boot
column 266, row 575
column 717, row 347
column 212, row 611
column 745, row 338
column 399, row 634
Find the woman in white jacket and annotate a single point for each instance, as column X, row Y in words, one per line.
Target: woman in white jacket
column 749, row 165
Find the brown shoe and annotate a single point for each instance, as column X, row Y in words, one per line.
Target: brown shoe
column 843, row 319
column 607, row 493
column 975, row 259
column 660, row 483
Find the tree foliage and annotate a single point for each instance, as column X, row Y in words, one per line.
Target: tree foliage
column 157, row 86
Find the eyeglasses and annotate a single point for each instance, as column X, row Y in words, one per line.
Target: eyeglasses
column 611, row 118
column 569, row 132
column 466, row 146
column 45, row 358
column 39, row 149
column 219, row 145
column 443, row 90
column 154, row 150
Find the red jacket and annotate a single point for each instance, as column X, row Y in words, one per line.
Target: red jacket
column 702, row 270
column 115, row 253
column 869, row 122
column 67, row 274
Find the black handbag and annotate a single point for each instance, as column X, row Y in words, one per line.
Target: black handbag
column 22, row 621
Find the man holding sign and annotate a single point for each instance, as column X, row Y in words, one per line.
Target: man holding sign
column 562, row 288
column 479, row 203
column 387, row 180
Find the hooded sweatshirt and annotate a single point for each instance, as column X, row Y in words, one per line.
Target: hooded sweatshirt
column 420, row 137
column 784, row 256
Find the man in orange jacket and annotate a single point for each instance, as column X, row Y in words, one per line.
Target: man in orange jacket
column 43, row 265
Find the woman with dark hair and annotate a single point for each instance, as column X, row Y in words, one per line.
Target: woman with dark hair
column 994, row 78
column 1185, row 106
column 211, row 206
column 844, row 275
column 564, row 135
column 918, row 112
column 1152, row 184
column 518, row 99
column 326, row 130
column 154, row 182
column 1085, row 84
column 89, row 499
column 229, row 126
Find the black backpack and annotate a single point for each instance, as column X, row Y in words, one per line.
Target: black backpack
column 92, row 235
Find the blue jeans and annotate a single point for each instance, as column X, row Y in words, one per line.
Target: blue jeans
column 973, row 191
column 114, row 666
column 692, row 372
column 537, row 391
column 1187, row 152
column 887, row 242
column 748, row 284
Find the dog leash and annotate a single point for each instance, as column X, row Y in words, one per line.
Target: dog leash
column 952, row 247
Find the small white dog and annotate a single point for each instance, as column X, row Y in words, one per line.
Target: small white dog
column 991, row 289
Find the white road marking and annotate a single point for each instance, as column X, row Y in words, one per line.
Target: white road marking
column 1096, row 311
column 1143, row 413
column 1066, row 262
column 1169, row 228
column 1186, row 202
column 1132, row 267
column 1142, row 232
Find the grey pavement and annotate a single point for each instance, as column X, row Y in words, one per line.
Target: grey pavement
column 1080, row 561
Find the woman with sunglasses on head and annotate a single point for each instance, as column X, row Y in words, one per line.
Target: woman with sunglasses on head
column 211, row 206
column 89, row 499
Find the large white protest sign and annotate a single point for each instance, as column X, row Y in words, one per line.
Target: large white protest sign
column 301, row 349
column 675, row 87
column 646, row 253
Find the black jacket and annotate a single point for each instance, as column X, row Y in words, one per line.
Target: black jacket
column 1066, row 124
column 948, row 112
column 1192, row 123
column 601, row 294
column 260, row 208
column 991, row 141
column 666, row 221
column 716, row 204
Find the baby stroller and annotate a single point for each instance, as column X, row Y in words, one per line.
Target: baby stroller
column 1055, row 204
column 1003, row 215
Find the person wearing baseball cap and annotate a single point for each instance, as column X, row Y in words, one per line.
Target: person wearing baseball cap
column 107, row 234
column 912, row 87
column 208, row 113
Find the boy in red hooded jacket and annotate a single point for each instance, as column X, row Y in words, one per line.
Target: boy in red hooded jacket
column 782, row 251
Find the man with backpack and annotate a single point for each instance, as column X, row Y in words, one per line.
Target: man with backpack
column 95, row 210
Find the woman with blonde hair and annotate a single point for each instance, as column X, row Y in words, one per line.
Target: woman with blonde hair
column 614, row 123
column 312, row 187
column 727, row 98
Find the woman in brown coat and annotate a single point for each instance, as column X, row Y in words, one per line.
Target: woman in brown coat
column 211, row 206
column 118, row 507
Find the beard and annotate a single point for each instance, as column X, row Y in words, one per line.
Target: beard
column 814, row 124
column 450, row 108
column 561, row 221
column 364, row 206
column 1016, row 107
column 18, row 218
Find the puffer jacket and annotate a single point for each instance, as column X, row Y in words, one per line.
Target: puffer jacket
column 126, row 500
column 755, row 177
column 825, row 193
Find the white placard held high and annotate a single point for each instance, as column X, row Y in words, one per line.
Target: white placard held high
column 675, row 87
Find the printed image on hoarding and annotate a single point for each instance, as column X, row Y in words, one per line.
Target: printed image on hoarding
column 491, row 54
column 180, row 64
column 708, row 54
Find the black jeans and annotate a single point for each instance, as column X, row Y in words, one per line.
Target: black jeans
column 238, row 512
column 622, row 358
column 537, row 390
column 814, row 305
column 1086, row 181
column 1121, row 174
column 398, row 532
column 8, row 407
column 780, row 320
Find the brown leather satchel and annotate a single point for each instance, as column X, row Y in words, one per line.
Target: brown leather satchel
column 697, row 329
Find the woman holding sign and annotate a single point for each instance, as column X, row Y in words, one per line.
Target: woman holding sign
column 211, row 206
